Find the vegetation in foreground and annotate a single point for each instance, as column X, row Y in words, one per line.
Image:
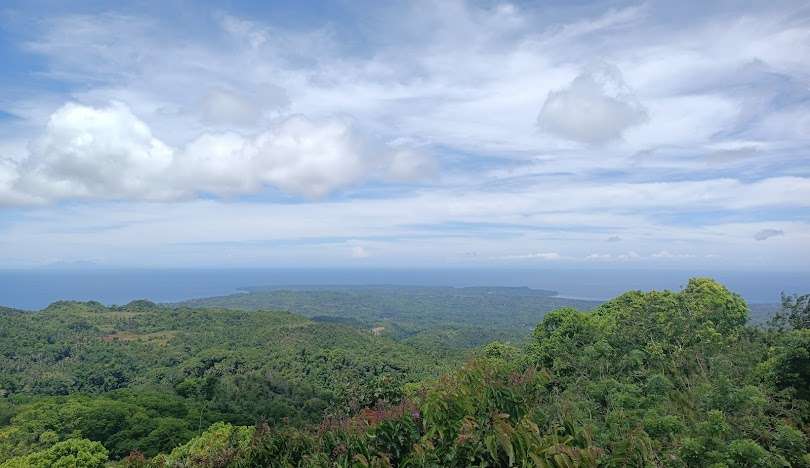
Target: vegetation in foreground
column 646, row 379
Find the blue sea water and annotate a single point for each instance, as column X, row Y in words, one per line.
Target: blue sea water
column 35, row 289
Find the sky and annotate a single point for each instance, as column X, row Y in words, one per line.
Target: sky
column 605, row 134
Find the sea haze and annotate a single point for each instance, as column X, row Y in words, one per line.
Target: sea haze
column 35, row 289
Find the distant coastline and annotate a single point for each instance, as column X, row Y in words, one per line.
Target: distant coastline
column 35, row 289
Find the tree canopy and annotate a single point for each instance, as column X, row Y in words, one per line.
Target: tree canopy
column 658, row 378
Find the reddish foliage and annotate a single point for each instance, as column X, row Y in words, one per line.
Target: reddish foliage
column 368, row 417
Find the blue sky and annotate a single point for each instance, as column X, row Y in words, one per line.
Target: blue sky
column 269, row 134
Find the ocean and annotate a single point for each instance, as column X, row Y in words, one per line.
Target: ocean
column 35, row 289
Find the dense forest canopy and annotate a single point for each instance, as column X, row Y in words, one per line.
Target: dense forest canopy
column 656, row 378
column 445, row 319
column 148, row 377
column 433, row 319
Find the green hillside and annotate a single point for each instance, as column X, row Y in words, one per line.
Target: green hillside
column 660, row 378
column 647, row 379
column 148, row 377
column 444, row 319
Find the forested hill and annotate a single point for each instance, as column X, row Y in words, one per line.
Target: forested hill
column 675, row 379
column 660, row 378
column 146, row 377
column 8, row 311
column 429, row 318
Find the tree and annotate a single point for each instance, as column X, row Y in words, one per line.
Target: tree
column 791, row 363
column 795, row 313
column 71, row 453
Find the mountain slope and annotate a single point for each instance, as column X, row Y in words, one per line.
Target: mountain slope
column 430, row 318
column 659, row 378
column 196, row 365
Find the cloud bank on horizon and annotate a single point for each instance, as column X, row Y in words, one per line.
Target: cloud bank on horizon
column 414, row 133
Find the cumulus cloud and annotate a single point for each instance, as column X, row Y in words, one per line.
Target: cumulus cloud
column 722, row 135
column 8, row 178
column 311, row 158
column 216, row 163
column 87, row 151
column 300, row 156
column 108, row 152
column 595, row 108
column 768, row 233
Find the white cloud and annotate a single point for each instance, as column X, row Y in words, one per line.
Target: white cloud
column 669, row 255
column 313, row 158
column 96, row 152
column 245, row 30
column 607, row 257
column 216, row 163
column 684, row 121
column 8, row 178
column 629, row 256
column 223, row 107
column 610, row 21
column 533, row 255
column 725, row 94
column 768, row 233
column 108, row 152
column 409, row 164
column 166, row 234
column 360, row 252
column 635, row 256
column 595, row 108
column 599, row 256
